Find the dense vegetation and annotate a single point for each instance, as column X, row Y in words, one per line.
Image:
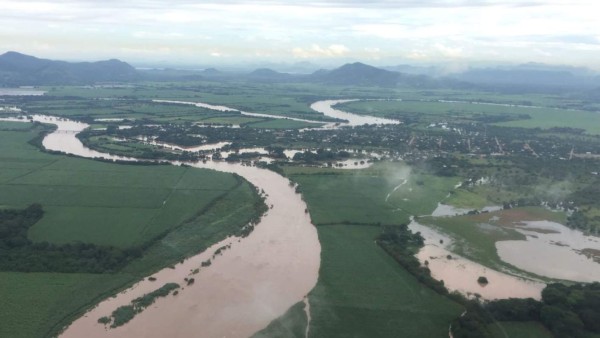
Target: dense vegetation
column 123, row 314
column 567, row 311
column 19, row 253
column 402, row 245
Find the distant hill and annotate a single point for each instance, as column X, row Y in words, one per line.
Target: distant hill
column 358, row 74
column 414, row 70
column 532, row 76
column 18, row 69
column 269, row 75
column 211, row 72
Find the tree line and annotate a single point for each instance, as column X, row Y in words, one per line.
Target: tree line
column 19, row 253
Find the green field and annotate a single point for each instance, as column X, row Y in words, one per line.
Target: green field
column 8, row 125
column 363, row 292
column 359, row 196
column 433, row 111
column 256, row 98
column 123, row 205
column 519, row 330
column 174, row 211
column 291, row 324
column 34, row 303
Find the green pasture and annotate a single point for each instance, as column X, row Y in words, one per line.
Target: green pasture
column 361, row 196
column 363, row 292
column 9, row 125
column 105, row 204
column 519, row 330
column 434, row 111
column 292, row 324
column 467, row 199
column 34, row 303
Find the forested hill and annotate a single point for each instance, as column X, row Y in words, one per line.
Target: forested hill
column 18, row 69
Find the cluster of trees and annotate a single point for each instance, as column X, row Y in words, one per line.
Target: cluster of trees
column 496, row 118
column 19, row 253
column 321, row 155
column 558, row 184
column 400, row 243
column 567, row 311
column 237, row 157
column 123, row 314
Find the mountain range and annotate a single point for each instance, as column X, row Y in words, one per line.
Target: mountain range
column 18, row 69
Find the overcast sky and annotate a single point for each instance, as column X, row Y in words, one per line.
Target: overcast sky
column 457, row 33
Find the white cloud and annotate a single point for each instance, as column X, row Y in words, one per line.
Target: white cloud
column 449, row 52
column 316, row 51
column 427, row 30
column 417, row 55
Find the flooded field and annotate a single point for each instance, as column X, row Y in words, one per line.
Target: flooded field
column 553, row 250
column 446, row 210
column 21, row 92
column 461, row 274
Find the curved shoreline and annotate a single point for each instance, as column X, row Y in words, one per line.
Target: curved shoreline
column 248, row 285
column 460, row 274
column 324, row 107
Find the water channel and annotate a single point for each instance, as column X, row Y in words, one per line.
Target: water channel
column 253, row 282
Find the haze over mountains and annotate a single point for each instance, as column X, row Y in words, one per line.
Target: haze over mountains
column 18, row 69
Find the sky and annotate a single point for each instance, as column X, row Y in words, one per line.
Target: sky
column 457, row 33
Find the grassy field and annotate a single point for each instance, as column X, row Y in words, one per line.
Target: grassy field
column 8, row 126
column 361, row 196
column 121, row 205
column 429, row 112
column 291, row 324
column 33, row 303
column 101, row 203
column 519, row 330
column 363, row 292
column 257, row 98
column 468, row 199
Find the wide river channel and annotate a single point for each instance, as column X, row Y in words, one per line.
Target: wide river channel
column 247, row 286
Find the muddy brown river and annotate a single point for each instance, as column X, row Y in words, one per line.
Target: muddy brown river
column 253, row 282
